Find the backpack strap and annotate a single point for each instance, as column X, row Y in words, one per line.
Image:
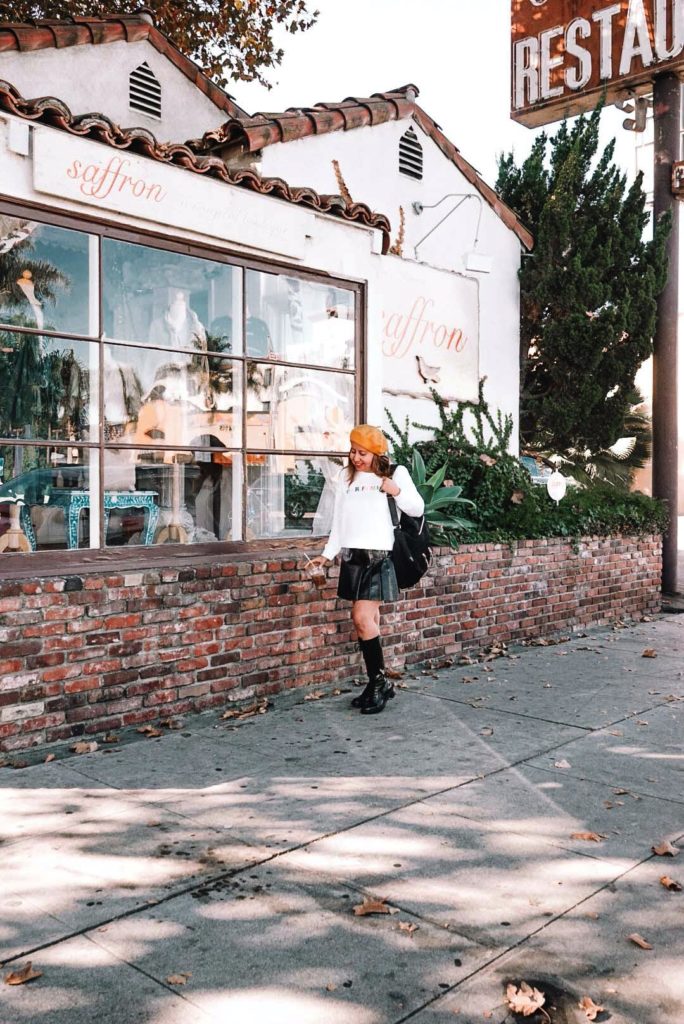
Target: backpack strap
column 391, row 502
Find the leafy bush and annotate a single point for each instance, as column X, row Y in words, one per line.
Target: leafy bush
column 471, row 445
column 440, row 499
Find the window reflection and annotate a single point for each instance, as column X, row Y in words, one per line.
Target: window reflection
column 155, row 297
column 290, row 497
column 295, row 409
column 44, row 494
column 48, row 387
column 44, row 277
column 300, row 321
column 173, row 400
column 157, row 497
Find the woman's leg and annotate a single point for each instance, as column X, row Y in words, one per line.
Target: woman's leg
column 366, row 618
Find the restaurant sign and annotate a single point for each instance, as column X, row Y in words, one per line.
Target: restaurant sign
column 119, row 181
column 566, row 54
column 429, row 333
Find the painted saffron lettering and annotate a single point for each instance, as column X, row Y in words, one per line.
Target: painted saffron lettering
column 402, row 333
column 99, row 181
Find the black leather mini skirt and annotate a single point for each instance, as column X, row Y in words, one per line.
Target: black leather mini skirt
column 367, row 576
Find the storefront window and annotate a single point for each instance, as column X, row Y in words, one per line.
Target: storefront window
column 131, row 412
column 45, row 277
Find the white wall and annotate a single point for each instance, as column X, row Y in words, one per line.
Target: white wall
column 94, row 79
column 368, row 159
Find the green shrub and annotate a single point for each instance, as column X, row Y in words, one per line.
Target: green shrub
column 471, row 444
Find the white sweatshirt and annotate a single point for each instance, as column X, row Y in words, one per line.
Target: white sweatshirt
column 362, row 517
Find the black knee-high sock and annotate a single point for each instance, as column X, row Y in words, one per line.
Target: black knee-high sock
column 372, row 655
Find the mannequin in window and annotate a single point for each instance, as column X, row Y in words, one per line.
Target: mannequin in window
column 179, row 326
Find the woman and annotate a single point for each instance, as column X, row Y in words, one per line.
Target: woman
column 362, row 533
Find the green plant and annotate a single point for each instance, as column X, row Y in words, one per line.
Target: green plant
column 440, row 498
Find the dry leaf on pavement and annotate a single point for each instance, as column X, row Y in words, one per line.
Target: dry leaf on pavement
column 407, row 926
column 371, row 906
column 562, row 764
column 178, row 979
column 24, row 974
column 150, row 731
column 487, row 731
column 524, row 1000
column 640, row 941
column 111, row 737
column 665, row 849
column 588, row 837
column 84, row 747
column 590, row 1008
column 670, row 884
column 260, row 708
column 649, row 652
column 394, row 673
column 50, row 757
column 314, row 695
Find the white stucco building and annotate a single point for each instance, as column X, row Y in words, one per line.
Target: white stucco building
column 205, row 335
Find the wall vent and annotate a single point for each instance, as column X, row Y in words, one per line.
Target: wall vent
column 144, row 91
column 411, row 155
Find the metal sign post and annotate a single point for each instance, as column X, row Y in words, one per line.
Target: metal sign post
column 667, row 103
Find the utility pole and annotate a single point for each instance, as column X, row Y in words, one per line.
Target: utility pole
column 667, row 104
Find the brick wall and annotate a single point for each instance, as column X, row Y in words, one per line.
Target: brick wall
column 84, row 654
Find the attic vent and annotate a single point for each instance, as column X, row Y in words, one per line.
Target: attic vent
column 144, row 91
column 410, row 155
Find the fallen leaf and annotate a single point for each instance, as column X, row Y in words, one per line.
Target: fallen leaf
column 331, row 988
column 665, row 849
column 524, row 1000
column 621, row 792
column 640, row 721
column 171, row 723
column 314, row 695
column 24, row 974
column 670, row 884
column 111, row 737
column 394, row 673
column 649, row 652
column 49, row 758
column 592, row 914
column 19, row 764
column 84, row 747
column 150, row 731
column 590, row 1008
column 336, row 693
column 589, row 837
column 487, row 731
column 548, row 686
column 562, row 764
column 178, row 979
column 371, row 906
column 615, row 732
column 260, row 708
column 407, row 926
column 640, row 941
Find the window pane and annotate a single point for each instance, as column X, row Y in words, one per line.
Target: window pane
column 164, row 298
column 157, row 497
column 181, row 399
column 48, row 387
column 301, row 321
column 305, row 410
column 44, row 277
column 44, row 498
column 289, row 496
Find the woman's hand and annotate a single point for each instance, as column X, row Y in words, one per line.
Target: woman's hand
column 388, row 486
column 319, row 560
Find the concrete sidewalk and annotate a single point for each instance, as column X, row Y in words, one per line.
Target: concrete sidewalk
column 210, row 875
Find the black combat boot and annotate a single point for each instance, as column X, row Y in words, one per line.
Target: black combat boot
column 375, row 663
column 380, row 691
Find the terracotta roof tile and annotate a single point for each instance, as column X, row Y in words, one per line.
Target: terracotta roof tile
column 265, row 129
column 61, row 33
column 51, row 111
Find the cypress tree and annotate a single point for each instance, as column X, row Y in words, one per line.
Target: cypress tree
column 588, row 291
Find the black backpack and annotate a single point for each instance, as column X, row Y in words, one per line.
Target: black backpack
column 411, row 554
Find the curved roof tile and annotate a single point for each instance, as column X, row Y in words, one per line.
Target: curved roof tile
column 51, row 111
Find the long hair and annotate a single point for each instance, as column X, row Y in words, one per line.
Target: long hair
column 380, row 465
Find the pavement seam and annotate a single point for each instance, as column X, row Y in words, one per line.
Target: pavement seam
column 604, row 781
column 278, row 853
